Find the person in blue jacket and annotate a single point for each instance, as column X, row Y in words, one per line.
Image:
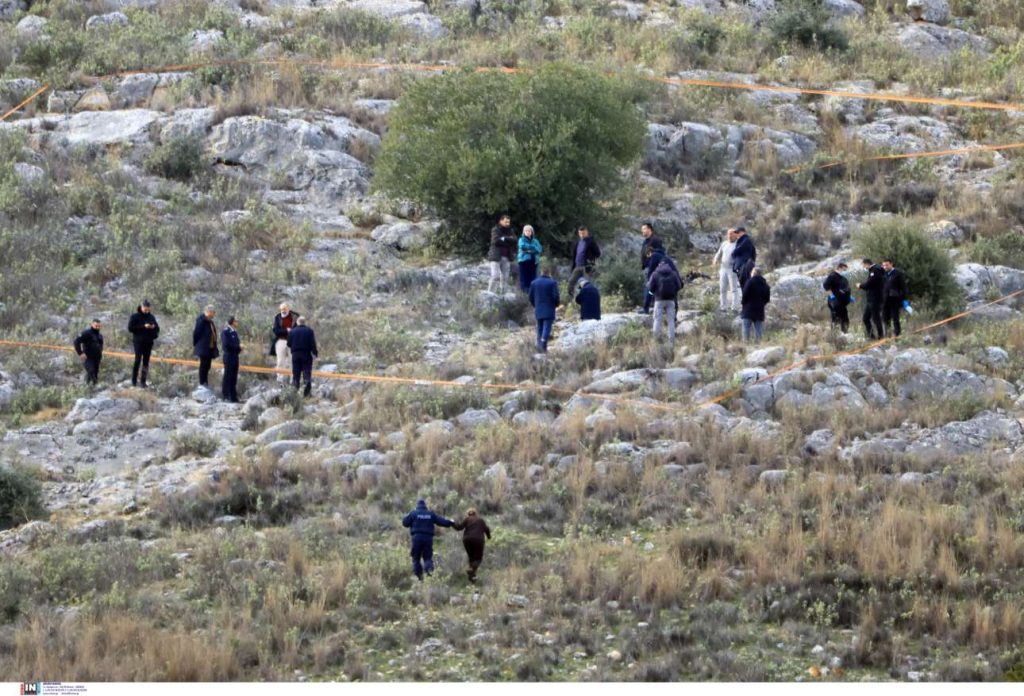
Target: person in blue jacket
column 232, row 346
column 545, row 300
column 528, row 257
column 589, row 300
column 421, row 523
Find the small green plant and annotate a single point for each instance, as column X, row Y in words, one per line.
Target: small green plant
column 199, row 443
column 621, row 278
column 179, row 158
column 807, row 23
column 21, row 497
column 1003, row 249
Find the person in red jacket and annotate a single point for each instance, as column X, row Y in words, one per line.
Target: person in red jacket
column 473, row 534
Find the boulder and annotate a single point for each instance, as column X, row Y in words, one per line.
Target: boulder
column 390, row 9
column 204, row 41
column 790, row 289
column 289, row 430
column 903, row 133
column 96, row 530
column 102, row 408
column 135, row 91
column 764, row 357
column 773, row 477
column 977, row 281
column 112, row 19
column 841, row 9
column 820, row 442
column 932, row 42
column 583, row 335
column 424, row 25
column 946, row 231
column 8, row 8
column 29, row 173
column 995, row 357
column 31, row 27
column 204, row 395
column 404, row 236
column 13, row 92
column 476, row 418
column 282, row 447
column 108, row 128
column 373, row 473
column 933, row 11
column 533, row 419
column 95, row 99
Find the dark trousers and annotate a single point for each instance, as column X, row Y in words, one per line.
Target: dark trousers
column 544, row 327
column 422, row 554
column 648, row 295
column 302, row 366
column 527, row 274
column 891, row 314
column 744, row 272
column 575, row 276
column 840, row 314
column 92, row 370
column 873, row 319
column 142, row 353
column 475, row 553
column 229, row 385
column 204, row 371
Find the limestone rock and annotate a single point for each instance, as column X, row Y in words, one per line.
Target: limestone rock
column 764, row 357
column 931, row 41
column 31, row 27
column 112, row 19
column 476, row 418
column 934, row 11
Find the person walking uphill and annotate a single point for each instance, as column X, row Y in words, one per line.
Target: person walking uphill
column 651, row 241
column 302, row 343
column 204, row 343
column 421, row 523
column 284, row 322
column 756, row 295
column 894, row 297
column 839, row 297
column 744, row 254
column 545, row 300
column 503, row 241
column 585, row 255
column 665, row 285
column 728, row 281
column 144, row 329
column 474, row 529
column 872, row 288
column 89, row 347
column 232, row 348
column 528, row 257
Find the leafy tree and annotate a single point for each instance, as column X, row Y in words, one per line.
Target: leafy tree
column 21, row 497
column 930, row 274
column 547, row 146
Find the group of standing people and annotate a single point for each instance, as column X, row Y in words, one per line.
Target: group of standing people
column 741, row 285
column 886, row 294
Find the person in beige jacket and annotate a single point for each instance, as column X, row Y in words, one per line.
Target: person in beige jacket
column 727, row 280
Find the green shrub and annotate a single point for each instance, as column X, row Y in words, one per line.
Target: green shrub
column 622, row 278
column 345, row 27
column 392, row 344
column 807, row 23
column 34, row 399
column 21, row 497
column 930, row 273
column 1004, row 250
column 199, row 443
column 547, row 146
column 179, row 158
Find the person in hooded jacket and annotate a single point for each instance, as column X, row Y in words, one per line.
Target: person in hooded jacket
column 664, row 285
column 589, row 300
column 420, row 523
column 89, row 347
column 144, row 329
column 839, row 297
column 756, row 295
column 474, row 530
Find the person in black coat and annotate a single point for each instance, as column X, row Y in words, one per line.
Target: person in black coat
column 589, row 300
column 585, row 254
column 839, row 297
column 204, row 343
column 232, row 345
column 756, row 295
column 144, row 329
column 872, row 288
column 500, row 253
column 474, row 530
column 302, row 343
column 651, row 241
column 744, row 255
column 89, row 347
column 894, row 294
column 420, row 523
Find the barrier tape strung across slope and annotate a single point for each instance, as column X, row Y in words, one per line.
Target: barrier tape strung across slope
column 28, row 100
column 412, row 381
column 907, row 155
column 678, row 81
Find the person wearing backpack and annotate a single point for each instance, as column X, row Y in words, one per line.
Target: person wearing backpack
column 665, row 284
column 840, row 297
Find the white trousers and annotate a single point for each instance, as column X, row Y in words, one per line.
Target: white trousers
column 284, row 358
column 726, row 280
column 499, row 273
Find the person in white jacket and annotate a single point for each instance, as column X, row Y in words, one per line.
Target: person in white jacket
column 727, row 279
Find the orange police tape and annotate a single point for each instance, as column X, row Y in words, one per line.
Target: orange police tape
column 412, row 381
column 907, row 155
column 679, row 81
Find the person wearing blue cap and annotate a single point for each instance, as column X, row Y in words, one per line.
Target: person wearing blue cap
column 421, row 522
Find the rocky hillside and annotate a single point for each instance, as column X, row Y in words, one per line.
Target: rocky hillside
column 701, row 516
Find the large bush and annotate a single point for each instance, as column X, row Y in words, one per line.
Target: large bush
column 807, row 23
column 21, row 497
column 930, row 273
column 547, row 146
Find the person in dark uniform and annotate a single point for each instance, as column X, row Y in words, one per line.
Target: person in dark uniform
column 302, row 344
column 89, row 347
column 839, row 297
column 894, row 297
column 474, row 530
column 421, row 522
column 872, row 288
column 232, row 348
column 144, row 329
